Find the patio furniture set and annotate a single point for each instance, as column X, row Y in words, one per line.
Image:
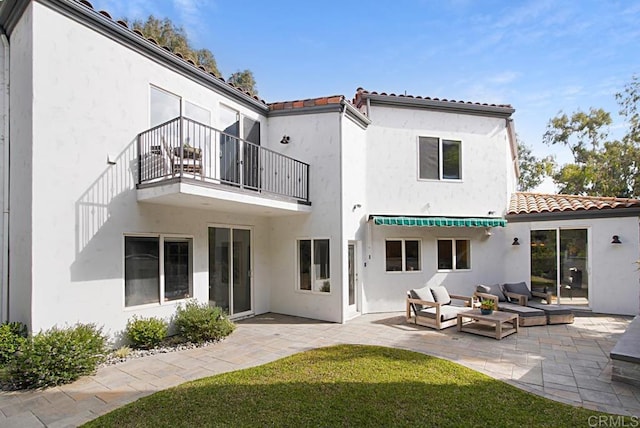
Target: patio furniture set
column 516, row 306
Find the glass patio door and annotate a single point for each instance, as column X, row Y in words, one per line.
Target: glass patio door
column 230, row 269
column 560, row 263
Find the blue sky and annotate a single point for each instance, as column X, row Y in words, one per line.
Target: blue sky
column 541, row 56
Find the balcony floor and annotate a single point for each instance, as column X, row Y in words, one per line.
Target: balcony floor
column 190, row 193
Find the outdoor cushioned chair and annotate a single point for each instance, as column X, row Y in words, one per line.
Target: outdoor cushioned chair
column 556, row 314
column 433, row 307
column 527, row 316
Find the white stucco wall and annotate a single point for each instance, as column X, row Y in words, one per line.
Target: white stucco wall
column 392, row 163
column 90, row 100
column 354, row 207
column 613, row 273
column 21, row 161
column 315, row 139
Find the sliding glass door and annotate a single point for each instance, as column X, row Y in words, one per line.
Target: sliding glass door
column 560, row 263
column 230, row 269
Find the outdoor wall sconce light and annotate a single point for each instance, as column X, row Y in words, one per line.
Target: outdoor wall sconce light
column 616, row 240
column 487, row 231
column 356, row 206
column 285, row 139
column 515, row 241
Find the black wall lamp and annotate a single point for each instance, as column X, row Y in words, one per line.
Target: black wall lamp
column 515, row 241
column 616, row 240
column 285, row 139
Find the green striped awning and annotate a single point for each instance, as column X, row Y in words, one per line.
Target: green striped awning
column 439, row 221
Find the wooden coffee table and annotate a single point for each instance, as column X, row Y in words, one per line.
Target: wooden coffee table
column 496, row 325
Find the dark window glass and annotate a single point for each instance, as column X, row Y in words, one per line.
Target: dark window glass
column 141, row 270
column 429, row 158
column 445, row 254
column 304, row 254
column 321, row 258
column 450, row 159
column 412, row 254
column 177, row 265
column 394, row 256
column 463, row 259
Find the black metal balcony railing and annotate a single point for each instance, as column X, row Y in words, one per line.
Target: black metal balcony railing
column 183, row 147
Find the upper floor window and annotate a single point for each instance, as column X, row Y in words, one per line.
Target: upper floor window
column 164, row 106
column 439, row 159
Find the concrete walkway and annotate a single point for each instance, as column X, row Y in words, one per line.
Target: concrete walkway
column 567, row 363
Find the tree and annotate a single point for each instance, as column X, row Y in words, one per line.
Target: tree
column 533, row 170
column 245, row 80
column 629, row 100
column 166, row 33
column 601, row 167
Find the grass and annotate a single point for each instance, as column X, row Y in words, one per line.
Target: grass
column 348, row 385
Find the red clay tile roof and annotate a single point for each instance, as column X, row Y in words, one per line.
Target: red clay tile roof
column 310, row 102
column 528, row 203
column 358, row 99
column 177, row 54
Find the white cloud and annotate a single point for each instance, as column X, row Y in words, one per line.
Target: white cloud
column 189, row 13
column 504, row 77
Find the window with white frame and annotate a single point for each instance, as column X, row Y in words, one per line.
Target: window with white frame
column 454, row 254
column 313, row 265
column 439, row 159
column 402, row 255
column 157, row 266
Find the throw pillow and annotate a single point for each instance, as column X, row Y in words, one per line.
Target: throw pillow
column 518, row 288
column 441, row 295
column 421, row 294
column 494, row 290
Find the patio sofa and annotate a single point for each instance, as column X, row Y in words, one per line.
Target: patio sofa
column 527, row 316
column 433, row 307
column 556, row 314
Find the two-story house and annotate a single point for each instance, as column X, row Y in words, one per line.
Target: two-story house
column 133, row 179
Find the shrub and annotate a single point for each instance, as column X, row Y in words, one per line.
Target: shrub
column 146, row 333
column 12, row 335
column 122, row 352
column 57, row 356
column 200, row 322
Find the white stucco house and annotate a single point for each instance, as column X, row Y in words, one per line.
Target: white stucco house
column 133, row 179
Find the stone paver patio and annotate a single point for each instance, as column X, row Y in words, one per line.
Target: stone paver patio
column 567, row 363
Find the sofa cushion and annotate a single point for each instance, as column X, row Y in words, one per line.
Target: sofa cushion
column 421, row 294
column 495, row 290
column 441, row 295
column 447, row 312
column 522, row 311
column 518, row 288
column 551, row 309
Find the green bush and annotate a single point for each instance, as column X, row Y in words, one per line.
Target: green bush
column 199, row 322
column 12, row 335
column 57, row 356
column 146, row 333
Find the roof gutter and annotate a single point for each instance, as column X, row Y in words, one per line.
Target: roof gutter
column 513, row 144
column 438, row 105
column 573, row 215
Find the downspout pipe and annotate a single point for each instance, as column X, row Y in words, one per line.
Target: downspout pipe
column 4, row 136
column 342, row 213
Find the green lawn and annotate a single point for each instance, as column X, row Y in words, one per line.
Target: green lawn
column 347, row 386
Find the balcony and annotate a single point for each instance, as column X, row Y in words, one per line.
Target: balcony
column 183, row 162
